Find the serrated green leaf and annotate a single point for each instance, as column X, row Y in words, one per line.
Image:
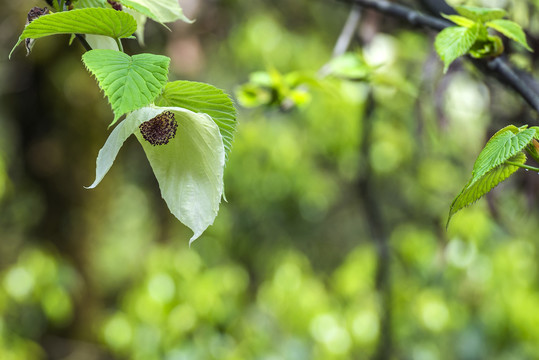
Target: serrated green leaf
column 84, row 4
column 455, row 41
column 129, row 82
column 189, row 168
column 203, row 98
column 503, row 145
column 96, row 21
column 161, row 11
column 460, row 20
column 510, row 29
column 480, row 14
column 474, row 190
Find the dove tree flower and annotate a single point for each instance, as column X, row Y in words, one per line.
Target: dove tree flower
column 188, row 162
column 185, row 128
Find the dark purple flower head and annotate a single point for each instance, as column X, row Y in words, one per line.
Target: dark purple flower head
column 115, row 5
column 160, row 129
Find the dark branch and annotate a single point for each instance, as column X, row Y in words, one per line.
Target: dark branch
column 402, row 12
column 497, row 67
column 437, row 7
column 83, row 42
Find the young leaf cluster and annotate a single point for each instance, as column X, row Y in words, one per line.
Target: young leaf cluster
column 471, row 35
column 503, row 155
column 271, row 88
column 187, row 152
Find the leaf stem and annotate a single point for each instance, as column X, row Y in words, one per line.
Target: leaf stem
column 524, row 166
column 120, row 46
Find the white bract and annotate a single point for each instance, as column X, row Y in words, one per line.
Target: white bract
column 189, row 168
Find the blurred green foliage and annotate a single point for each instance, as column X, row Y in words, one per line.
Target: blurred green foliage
column 290, row 269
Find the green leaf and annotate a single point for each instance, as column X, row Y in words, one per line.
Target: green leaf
column 203, row 98
column 141, row 24
column 533, row 147
column 250, row 95
column 475, row 189
column 97, row 21
column 455, row 41
column 350, row 65
column 491, row 46
column 503, row 145
column 129, row 82
column 141, row 9
column 480, row 14
column 460, row 20
column 161, row 11
column 510, row 29
column 84, row 4
column 101, row 42
column 189, row 168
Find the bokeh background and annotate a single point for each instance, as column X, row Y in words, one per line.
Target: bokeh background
column 332, row 244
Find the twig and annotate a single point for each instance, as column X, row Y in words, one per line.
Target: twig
column 498, row 66
column 83, row 42
column 347, row 33
column 345, row 38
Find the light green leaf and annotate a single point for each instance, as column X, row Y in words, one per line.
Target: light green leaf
column 475, row 189
column 460, row 20
column 101, row 42
column 203, row 98
column 455, row 41
column 480, row 14
column 97, row 21
column 533, row 147
column 350, row 65
column 510, row 29
column 503, row 145
column 129, row 4
column 129, row 82
column 141, row 24
column 189, row 168
column 161, row 11
column 84, row 4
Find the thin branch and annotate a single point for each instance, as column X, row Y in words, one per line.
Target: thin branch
column 411, row 16
column 497, row 67
column 345, row 38
column 83, row 42
column 347, row 33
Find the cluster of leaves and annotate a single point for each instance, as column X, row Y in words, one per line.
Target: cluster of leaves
column 503, row 155
column 271, row 88
column 190, row 167
column 471, row 36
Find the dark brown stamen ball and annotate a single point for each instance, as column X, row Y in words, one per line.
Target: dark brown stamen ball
column 34, row 13
column 160, row 129
column 115, row 5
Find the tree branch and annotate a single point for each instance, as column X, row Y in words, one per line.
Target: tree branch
column 497, row 67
